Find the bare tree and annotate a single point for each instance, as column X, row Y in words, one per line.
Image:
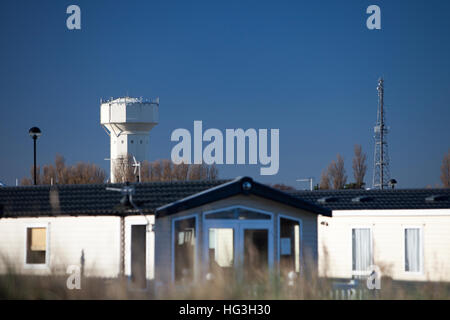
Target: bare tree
column 49, row 174
column 324, row 183
column 145, row 171
column 195, row 172
column 123, row 169
column 213, row 172
column 85, row 173
column 26, row 182
column 337, row 173
column 61, row 174
column 156, row 171
column 204, row 172
column 445, row 170
column 167, row 174
column 180, row 171
column 359, row 166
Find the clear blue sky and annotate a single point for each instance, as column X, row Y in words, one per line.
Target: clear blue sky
column 309, row 68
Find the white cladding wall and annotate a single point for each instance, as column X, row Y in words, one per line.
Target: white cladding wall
column 335, row 242
column 67, row 237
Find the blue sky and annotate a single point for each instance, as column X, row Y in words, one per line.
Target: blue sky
column 309, row 68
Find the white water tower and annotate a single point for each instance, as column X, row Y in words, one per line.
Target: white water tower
column 128, row 122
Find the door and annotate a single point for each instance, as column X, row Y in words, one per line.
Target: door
column 255, row 246
column 138, row 257
column 238, row 249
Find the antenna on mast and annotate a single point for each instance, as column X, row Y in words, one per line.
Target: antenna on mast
column 381, row 172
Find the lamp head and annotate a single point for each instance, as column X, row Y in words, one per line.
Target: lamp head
column 35, row 132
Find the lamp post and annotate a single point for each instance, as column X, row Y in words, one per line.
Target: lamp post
column 35, row 133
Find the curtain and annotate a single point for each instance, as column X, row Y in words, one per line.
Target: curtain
column 412, row 250
column 362, row 249
column 38, row 239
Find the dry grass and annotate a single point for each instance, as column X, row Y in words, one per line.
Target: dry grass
column 264, row 285
column 19, row 286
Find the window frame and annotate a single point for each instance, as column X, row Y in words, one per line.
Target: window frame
column 421, row 249
column 196, row 249
column 237, row 225
column 46, row 264
column 299, row 220
column 237, row 207
column 371, row 241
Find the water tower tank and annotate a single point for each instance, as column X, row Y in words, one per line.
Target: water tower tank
column 128, row 122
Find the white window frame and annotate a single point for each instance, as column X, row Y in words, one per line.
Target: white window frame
column 38, row 266
column 356, row 272
column 196, row 250
column 300, row 238
column 238, row 207
column 421, row 253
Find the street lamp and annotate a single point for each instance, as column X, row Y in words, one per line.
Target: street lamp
column 35, row 133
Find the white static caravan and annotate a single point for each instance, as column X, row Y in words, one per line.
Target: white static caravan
column 404, row 232
column 44, row 229
column 235, row 228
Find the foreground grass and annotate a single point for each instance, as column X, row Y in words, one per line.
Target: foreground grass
column 15, row 286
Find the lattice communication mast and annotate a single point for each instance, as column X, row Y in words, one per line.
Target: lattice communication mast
column 381, row 173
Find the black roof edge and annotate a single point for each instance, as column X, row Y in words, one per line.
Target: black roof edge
column 236, row 187
column 116, row 213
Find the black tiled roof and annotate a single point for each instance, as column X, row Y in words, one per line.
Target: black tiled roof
column 246, row 186
column 378, row 199
column 169, row 197
column 94, row 199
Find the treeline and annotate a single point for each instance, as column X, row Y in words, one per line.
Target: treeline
column 88, row 173
column 335, row 177
column 60, row 173
column 164, row 170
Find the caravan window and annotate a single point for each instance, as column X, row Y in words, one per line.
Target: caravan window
column 184, row 249
column 413, row 248
column 361, row 250
column 36, row 245
column 289, row 245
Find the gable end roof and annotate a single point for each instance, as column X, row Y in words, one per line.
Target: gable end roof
column 245, row 186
